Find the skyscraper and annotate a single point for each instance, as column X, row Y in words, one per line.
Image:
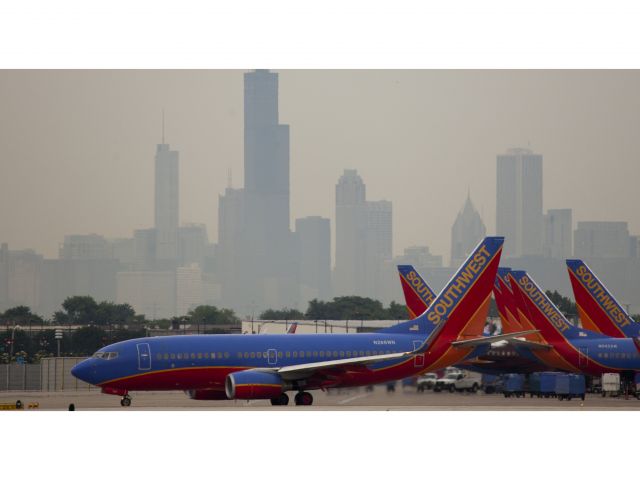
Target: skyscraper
column 166, row 205
column 519, row 202
column 558, row 231
column 364, row 238
column 257, row 217
column 350, row 225
column 314, row 243
column 467, row 230
column 602, row 240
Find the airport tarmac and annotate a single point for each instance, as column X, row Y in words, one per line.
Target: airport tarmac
column 348, row 399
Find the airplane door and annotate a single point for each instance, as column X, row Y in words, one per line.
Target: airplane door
column 583, row 357
column 144, row 356
column 418, row 360
column 272, row 356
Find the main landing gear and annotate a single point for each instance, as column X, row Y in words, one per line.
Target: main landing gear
column 283, row 399
column 303, row 398
column 126, row 401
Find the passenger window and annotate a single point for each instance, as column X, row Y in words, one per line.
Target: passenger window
column 186, row 355
column 355, row 353
column 288, row 355
column 279, row 354
column 321, row 353
column 362, row 353
column 159, row 356
column 193, row 356
column 368, row 353
column 206, row 354
column 199, row 356
column 295, row 354
column 315, row 354
column 308, row 354
column 246, row 354
column 349, row 353
column 301, row 354
column 328, row 354
column 173, row 356
column 259, row 354
column 253, row 355
column 374, row 352
column 239, row 354
column 226, row 354
column 388, row 352
column 341, row 353
column 179, row 356
column 166, row 356
column 335, row 354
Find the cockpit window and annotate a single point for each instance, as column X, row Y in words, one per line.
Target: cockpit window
column 106, row 355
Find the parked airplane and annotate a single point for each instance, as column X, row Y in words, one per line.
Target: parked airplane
column 584, row 350
column 267, row 366
column 597, row 308
column 500, row 356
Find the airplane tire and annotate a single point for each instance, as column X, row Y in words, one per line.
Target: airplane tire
column 283, row 399
column 474, row 389
column 304, row 398
column 125, row 402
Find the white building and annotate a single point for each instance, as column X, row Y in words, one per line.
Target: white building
column 602, row 240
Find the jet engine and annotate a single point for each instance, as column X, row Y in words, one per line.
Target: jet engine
column 206, row 394
column 252, row 384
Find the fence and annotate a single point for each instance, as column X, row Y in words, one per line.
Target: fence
column 51, row 375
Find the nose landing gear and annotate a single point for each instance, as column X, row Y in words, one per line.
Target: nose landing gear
column 303, row 398
column 126, row 401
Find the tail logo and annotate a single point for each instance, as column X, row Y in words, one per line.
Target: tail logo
column 600, row 295
column 540, row 300
column 420, row 287
column 456, row 290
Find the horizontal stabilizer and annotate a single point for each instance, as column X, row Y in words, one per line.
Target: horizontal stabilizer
column 472, row 342
column 529, row 344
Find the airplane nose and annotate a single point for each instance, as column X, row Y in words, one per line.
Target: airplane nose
column 82, row 371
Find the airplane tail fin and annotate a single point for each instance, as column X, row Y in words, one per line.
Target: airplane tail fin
column 598, row 309
column 462, row 306
column 542, row 312
column 499, row 294
column 417, row 294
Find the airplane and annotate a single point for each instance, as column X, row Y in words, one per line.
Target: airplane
column 597, row 308
column 220, row 367
column 583, row 350
column 500, row 356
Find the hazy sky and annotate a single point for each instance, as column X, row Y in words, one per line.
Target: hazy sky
column 77, row 147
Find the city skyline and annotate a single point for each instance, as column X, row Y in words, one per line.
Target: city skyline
column 87, row 194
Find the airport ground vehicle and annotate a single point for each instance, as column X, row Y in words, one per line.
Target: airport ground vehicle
column 426, row 381
column 513, row 385
column 447, row 382
column 492, row 383
column 570, row 386
column 543, row 384
column 468, row 381
column 610, row 384
column 216, row 367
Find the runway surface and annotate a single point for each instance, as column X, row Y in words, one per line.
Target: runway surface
column 348, row 399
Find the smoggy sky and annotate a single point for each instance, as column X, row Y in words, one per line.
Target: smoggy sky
column 77, row 147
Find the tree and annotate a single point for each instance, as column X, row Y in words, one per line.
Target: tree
column 77, row 310
column 284, row 314
column 397, row 311
column 21, row 315
column 346, row 308
column 211, row 315
column 565, row 305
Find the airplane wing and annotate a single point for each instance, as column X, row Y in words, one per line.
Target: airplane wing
column 472, row 342
column 304, row 370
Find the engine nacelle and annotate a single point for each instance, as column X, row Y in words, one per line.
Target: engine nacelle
column 250, row 384
column 206, row 394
